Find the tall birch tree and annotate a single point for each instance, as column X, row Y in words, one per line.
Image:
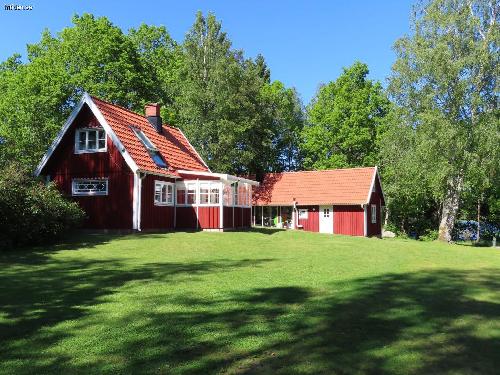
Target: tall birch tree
column 445, row 82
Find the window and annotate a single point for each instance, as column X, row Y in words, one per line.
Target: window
column 209, row 193
column 90, row 140
column 191, row 194
column 235, row 190
column 204, row 189
column 302, row 214
column 164, row 193
column 326, row 212
column 181, row 195
column 152, row 150
column 228, row 195
column 214, row 194
column 374, row 213
column 90, row 186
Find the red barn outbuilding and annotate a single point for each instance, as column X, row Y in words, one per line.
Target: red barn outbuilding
column 338, row 201
column 132, row 172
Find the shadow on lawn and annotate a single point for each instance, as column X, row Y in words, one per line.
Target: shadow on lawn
column 422, row 323
column 425, row 322
column 39, row 296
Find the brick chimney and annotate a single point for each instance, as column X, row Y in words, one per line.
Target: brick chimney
column 152, row 111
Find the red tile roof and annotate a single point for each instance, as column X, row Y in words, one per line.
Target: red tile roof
column 172, row 144
column 336, row 186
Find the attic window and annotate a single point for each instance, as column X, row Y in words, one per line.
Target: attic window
column 152, row 150
column 90, row 140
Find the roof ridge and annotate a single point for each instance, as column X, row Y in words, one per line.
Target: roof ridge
column 322, row 170
column 130, row 111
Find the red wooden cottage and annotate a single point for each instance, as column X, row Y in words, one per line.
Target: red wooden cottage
column 129, row 171
column 340, row 201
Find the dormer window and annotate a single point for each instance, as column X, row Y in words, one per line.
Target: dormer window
column 152, row 150
column 90, row 140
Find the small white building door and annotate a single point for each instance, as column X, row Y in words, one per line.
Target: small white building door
column 326, row 219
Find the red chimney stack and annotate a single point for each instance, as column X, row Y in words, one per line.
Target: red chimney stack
column 152, row 112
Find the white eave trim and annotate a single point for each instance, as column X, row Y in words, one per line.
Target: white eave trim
column 222, row 176
column 375, row 175
column 86, row 99
column 196, row 152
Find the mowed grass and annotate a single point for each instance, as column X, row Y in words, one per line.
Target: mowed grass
column 258, row 302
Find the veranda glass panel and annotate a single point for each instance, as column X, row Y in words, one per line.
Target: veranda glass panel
column 204, row 189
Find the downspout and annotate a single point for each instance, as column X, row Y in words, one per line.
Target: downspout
column 221, row 205
column 174, row 198
column 139, row 199
column 197, row 203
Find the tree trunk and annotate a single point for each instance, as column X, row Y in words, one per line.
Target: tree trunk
column 450, row 208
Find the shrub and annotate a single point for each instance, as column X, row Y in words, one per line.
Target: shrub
column 466, row 230
column 32, row 212
column 429, row 235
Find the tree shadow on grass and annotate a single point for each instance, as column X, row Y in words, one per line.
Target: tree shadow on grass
column 39, row 295
column 435, row 321
column 268, row 231
column 421, row 323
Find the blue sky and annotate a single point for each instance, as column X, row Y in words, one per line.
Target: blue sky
column 304, row 42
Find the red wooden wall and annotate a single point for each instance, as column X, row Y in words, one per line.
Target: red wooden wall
column 376, row 198
column 348, row 220
column 209, row 217
column 228, row 217
column 152, row 216
column 186, row 217
column 113, row 211
column 310, row 224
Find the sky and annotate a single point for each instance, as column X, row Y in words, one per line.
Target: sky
column 305, row 43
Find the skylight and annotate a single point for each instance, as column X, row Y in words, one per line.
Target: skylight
column 145, row 140
column 152, row 150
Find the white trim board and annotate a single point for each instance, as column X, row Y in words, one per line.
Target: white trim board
column 375, row 174
column 86, row 99
column 222, row 176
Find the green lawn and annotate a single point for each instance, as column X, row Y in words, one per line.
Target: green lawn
column 250, row 302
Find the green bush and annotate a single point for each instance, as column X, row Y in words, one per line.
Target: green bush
column 32, row 212
column 429, row 235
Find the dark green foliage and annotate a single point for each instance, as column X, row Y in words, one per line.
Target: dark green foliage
column 32, row 212
column 346, row 118
column 238, row 119
column 445, row 139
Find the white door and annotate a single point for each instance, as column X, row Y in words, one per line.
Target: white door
column 326, row 219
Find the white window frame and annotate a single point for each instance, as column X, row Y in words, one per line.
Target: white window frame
column 170, row 196
column 196, row 193
column 76, row 181
column 244, row 196
column 326, row 212
column 87, row 150
column 210, row 185
column 303, row 213
column 373, row 208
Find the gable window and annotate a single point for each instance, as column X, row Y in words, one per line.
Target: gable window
column 164, row 193
column 152, row 150
column 90, row 186
column 374, row 213
column 90, row 140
